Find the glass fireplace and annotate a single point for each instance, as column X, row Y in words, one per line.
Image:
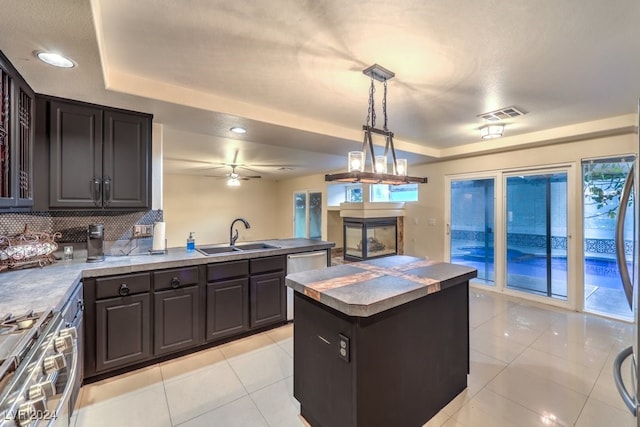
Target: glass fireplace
column 366, row 238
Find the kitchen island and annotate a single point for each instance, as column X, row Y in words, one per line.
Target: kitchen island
column 381, row 342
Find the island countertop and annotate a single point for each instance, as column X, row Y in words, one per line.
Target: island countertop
column 365, row 288
column 49, row 287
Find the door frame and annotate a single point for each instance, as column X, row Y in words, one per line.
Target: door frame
column 497, row 214
column 306, row 220
column 574, row 233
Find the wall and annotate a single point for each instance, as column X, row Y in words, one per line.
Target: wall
column 425, row 240
column 207, row 206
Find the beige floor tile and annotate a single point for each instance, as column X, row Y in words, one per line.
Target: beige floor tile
column 193, row 395
column 484, row 368
column 190, row 364
column 591, row 330
column 282, row 333
column 547, row 398
column 498, row 347
column 488, row 409
column 605, row 389
column 504, row 325
column 564, row 372
column 598, row 414
column 588, row 355
column 239, row 413
column 121, row 385
column 263, row 367
column 246, row 345
column 277, row 404
column 144, row 406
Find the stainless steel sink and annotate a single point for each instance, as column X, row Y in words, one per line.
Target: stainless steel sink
column 217, row 250
column 254, row 246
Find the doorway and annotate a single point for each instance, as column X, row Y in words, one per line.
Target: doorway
column 513, row 227
column 472, row 226
column 536, row 233
column 307, row 215
column 602, row 183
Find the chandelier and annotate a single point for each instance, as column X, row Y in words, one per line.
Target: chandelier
column 357, row 160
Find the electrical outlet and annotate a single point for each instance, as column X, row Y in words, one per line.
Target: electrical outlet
column 140, row 230
column 344, row 347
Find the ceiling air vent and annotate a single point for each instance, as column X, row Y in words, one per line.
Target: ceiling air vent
column 502, row 114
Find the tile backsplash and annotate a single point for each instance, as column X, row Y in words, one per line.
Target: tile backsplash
column 118, row 226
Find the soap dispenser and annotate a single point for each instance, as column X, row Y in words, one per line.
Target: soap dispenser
column 191, row 242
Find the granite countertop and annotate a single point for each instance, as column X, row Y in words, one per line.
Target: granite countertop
column 366, row 288
column 50, row 287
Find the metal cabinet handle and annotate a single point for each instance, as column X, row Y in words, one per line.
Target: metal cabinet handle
column 97, row 189
column 124, row 290
column 107, row 191
column 175, row 282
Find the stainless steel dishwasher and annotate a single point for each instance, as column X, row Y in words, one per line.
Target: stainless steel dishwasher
column 304, row 261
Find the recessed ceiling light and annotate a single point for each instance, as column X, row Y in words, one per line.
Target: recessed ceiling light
column 238, row 129
column 55, row 59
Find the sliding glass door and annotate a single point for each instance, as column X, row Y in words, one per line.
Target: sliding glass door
column 307, row 215
column 471, row 226
column 536, row 207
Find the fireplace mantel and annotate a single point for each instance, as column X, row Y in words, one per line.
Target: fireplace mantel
column 371, row 209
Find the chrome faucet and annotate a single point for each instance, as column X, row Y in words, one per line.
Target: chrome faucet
column 232, row 237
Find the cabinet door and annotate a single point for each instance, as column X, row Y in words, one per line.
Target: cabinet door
column 6, row 136
column 227, row 308
column 268, row 304
column 17, row 108
column 126, row 160
column 75, row 138
column 25, row 131
column 175, row 319
column 123, row 331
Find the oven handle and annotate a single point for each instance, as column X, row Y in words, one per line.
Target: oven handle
column 71, row 379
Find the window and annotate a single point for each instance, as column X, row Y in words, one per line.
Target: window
column 353, row 193
column 394, row 193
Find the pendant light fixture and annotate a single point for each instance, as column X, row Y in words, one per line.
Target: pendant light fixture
column 357, row 159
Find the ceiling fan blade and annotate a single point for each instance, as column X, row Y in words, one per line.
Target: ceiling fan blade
column 251, row 176
column 247, row 169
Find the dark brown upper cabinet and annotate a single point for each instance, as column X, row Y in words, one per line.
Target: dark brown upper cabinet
column 17, row 111
column 99, row 157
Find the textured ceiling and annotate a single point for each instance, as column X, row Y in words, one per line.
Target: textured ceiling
column 291, row 70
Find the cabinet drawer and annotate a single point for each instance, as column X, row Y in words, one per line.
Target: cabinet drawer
column 175, row 278
column 129, row 284
column 227, row 270
column 263, row 265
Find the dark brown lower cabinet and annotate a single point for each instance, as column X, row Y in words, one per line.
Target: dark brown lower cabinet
column 227, row 308
column 131, row 319
column 123, row 331
column 268, row 299
column 176, row 319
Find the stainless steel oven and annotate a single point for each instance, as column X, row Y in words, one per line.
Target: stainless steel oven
column 40, row 370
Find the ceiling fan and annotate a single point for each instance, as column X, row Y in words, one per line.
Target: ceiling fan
column 233, row 177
